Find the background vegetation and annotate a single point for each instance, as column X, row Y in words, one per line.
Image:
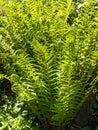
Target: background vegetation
column 48, row 64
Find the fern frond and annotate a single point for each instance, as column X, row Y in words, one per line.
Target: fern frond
column 46, row 71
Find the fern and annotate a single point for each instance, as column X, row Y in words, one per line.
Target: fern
column 50, row 63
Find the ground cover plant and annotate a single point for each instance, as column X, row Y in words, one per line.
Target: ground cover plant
column 48, row 61
column 15, row 115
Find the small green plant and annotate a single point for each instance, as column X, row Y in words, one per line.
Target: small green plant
column 15, row 115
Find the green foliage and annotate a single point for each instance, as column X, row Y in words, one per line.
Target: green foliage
column 51, row 63
column 15, row 115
